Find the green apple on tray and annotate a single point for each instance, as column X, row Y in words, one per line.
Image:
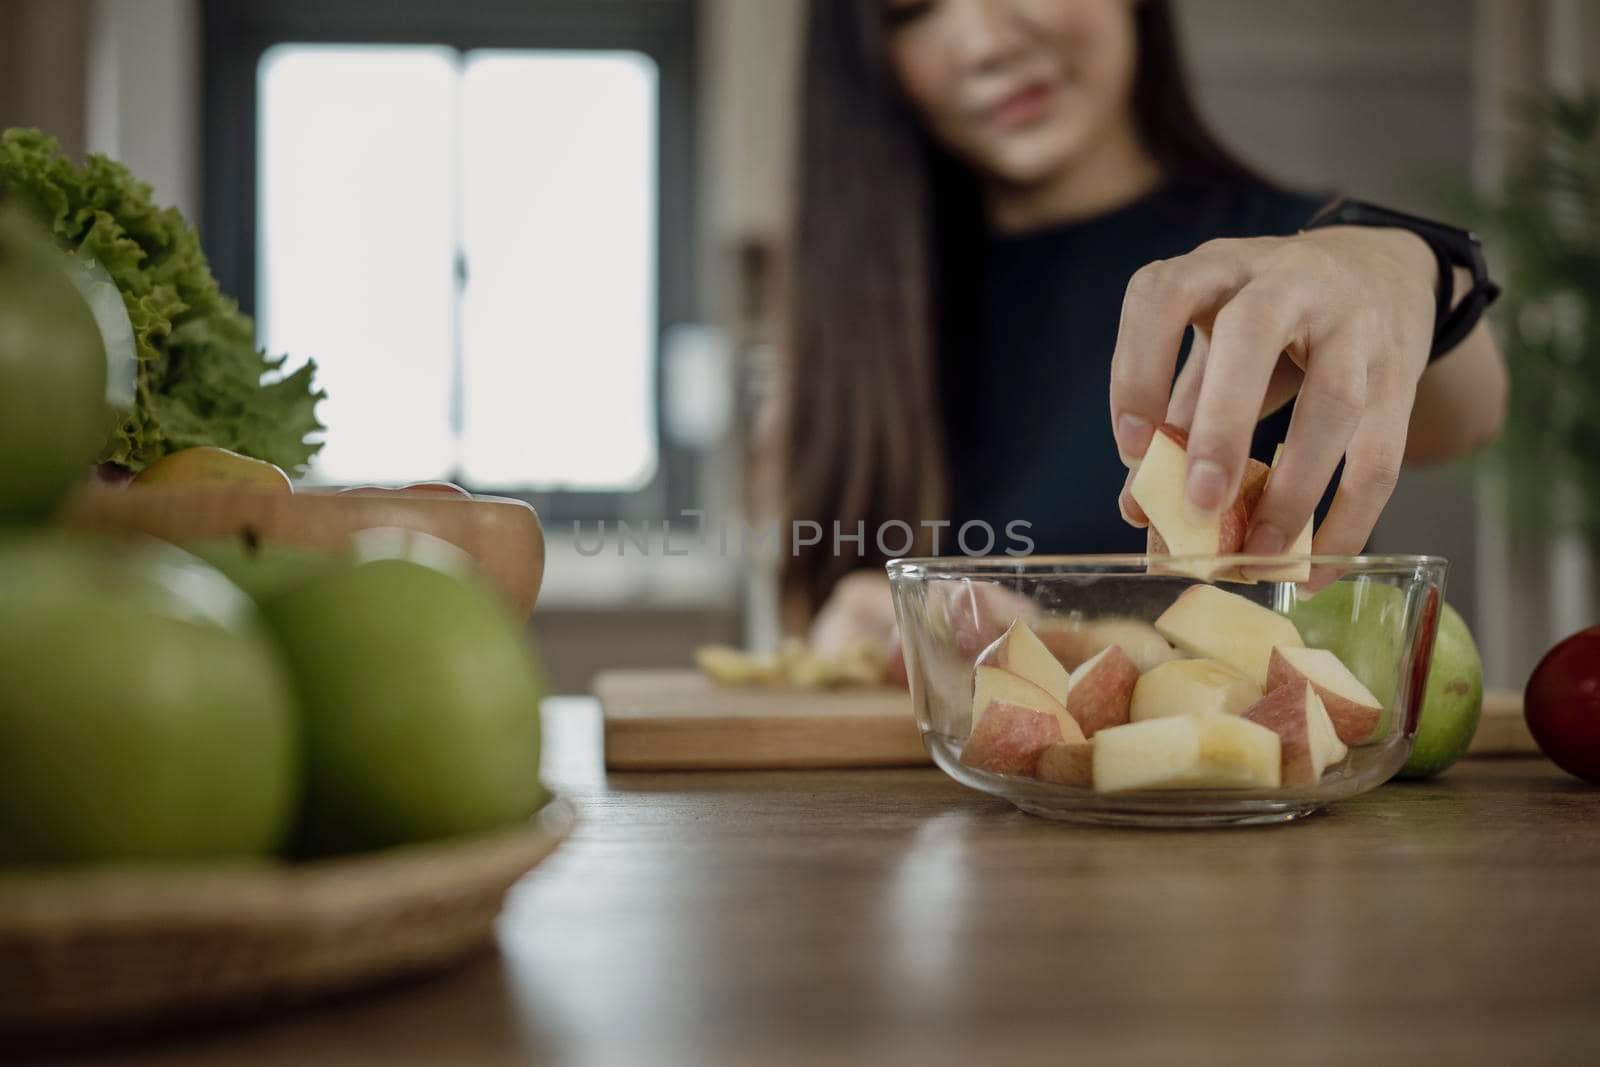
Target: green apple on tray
column 153, row 711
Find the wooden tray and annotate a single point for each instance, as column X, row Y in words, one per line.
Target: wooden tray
column 681, row 720
column 121, row 946
column 503, row 536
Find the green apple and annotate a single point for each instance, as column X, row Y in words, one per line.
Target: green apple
column 1362, row 622
column 144, row 715
column 266, row 570
column 421, row 705
column 1452, row 700
column 53, row 414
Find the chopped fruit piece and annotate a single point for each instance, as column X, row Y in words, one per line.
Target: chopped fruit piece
column 1187, row 752
column 1290, row 572
column 1158, row 488
column 1020, row 651
column 1308, row 740
column 991, row 685
column 1191, row 686
column 1100, row 690
column 1009, row 739
column 1212, row 623
column 1352, row 707
column 1013, row 721
column 1068, row 763
column 1075, row 641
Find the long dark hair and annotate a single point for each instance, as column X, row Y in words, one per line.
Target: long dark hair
column 885, row 222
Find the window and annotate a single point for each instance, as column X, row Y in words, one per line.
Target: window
column 505, row 201
column 478, row 223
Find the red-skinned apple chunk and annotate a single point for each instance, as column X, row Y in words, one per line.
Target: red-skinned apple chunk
column 1199, row 751
column 1100, row 690
column 1188, row 686
column 1013, row 721
column 1289, row 572
column 1067, row 763
column 1306, row 735
column 1158, row 488
column 1076, row 640
column 1020, row 651
column 1352, row 707
column 1211, row 623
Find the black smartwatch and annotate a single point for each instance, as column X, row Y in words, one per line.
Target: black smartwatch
column 1452, row 248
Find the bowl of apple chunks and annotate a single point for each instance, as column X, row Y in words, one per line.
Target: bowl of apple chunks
column 1123, row 689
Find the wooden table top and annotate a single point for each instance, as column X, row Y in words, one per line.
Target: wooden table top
column 886, row 916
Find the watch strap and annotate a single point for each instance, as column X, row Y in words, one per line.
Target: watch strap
column 1451, row 247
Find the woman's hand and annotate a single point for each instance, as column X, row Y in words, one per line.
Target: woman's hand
column 859, row 610
column 1342, row 315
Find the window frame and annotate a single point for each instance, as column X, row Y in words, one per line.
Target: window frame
column 237, row 33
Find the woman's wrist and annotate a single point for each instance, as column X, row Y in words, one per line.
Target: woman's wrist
column 1415, row 253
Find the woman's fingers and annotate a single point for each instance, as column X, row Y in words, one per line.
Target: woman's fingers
column 859, row 609
column 1180, row 411
column 1287, row 378
column 1186, row 393
column 1250, row 332
column 1132, row 513
column 1371, row 471
column 1330, row 408
column 1162, row 299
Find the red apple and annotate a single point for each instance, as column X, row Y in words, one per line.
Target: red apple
column 1562, row 705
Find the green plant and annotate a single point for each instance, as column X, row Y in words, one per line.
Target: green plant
column 199, row 378
column 1542, row 230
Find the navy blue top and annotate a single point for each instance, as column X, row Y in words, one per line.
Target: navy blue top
column 1026, row 385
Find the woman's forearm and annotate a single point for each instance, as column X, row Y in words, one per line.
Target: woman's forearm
column 1461, row 398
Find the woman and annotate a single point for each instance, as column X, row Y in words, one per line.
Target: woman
column 1009, row 209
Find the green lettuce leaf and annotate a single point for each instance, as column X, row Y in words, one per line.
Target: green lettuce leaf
column 200, row 380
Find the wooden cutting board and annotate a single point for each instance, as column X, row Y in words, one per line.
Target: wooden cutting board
column 1502, row 730
column 681, row 720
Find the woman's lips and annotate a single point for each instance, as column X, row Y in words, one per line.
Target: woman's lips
column 1022, row 107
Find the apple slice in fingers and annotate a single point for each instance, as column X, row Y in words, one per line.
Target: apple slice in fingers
column 1013, row 721
column 1212, row 623
column 1289, row 572
column 1020, row 651
column 1188, row 687
column 1101, row 689
column 1309, row 742
column 1187, row 752
column 1067, row 763
column 1355, row 712
column 1158, row 488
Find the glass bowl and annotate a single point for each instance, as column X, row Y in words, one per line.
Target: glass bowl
column 1371, row 622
